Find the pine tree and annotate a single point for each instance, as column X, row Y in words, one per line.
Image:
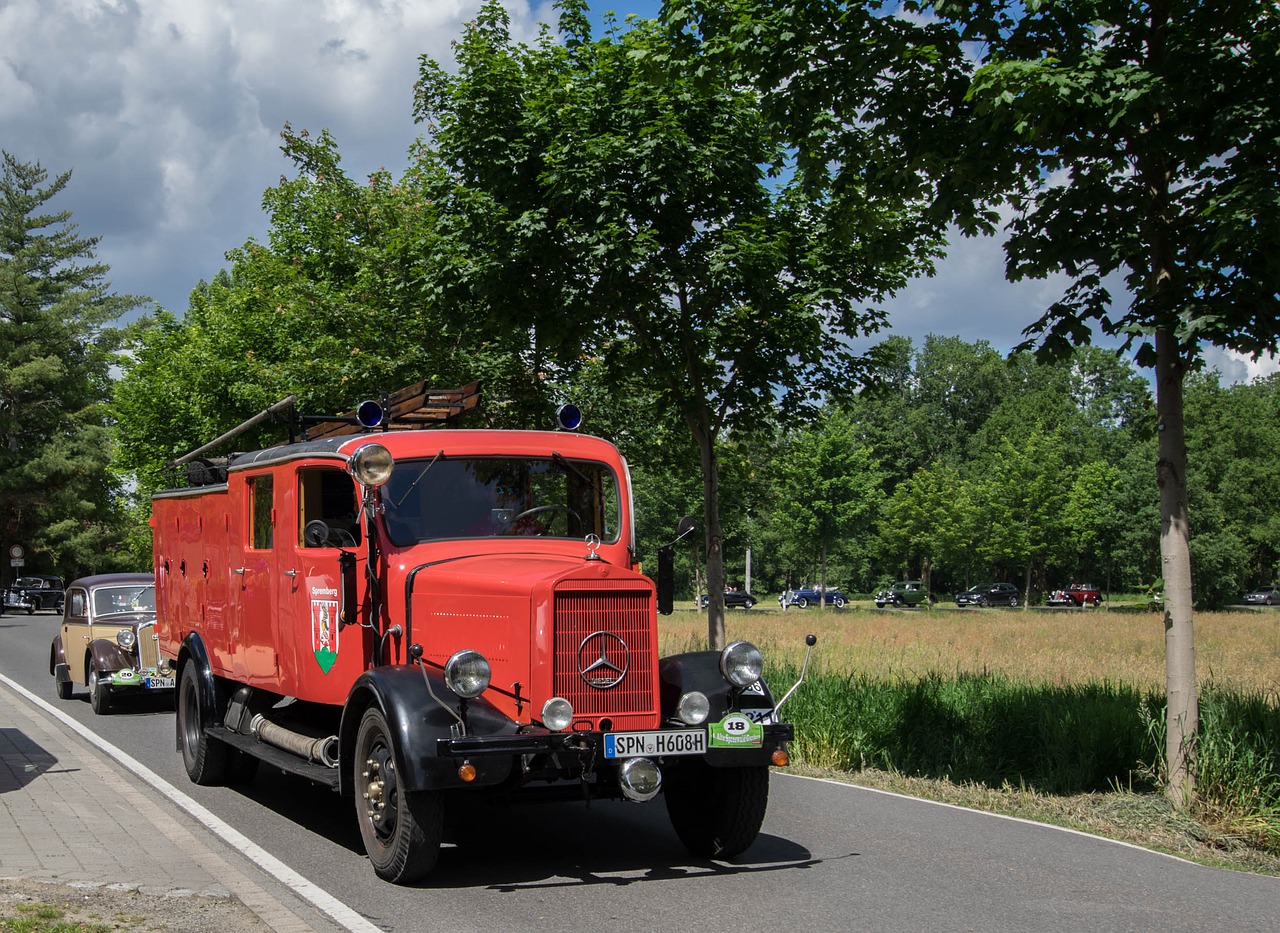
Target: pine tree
column 57, row 494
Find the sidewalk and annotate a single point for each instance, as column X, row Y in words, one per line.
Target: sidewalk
column 71, row 814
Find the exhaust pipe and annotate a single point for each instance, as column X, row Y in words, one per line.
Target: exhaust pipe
column 321, row 751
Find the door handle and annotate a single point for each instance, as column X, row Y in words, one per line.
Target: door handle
column 239, row 570
column 291, row 573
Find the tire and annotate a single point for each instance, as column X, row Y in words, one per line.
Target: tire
column 1013, row 602
column 717, row 812
column 99, row 693
column 204, row 757
column 838, row 602
column 749, row 604
column 984, row 602
column 879, row 605
column 401, row 830
column 64, row 689
column 802, row 603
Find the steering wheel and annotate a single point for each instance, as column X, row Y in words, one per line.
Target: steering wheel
column 317, row 533
column 538, row 510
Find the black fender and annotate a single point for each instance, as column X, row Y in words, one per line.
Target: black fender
column 700, row 670
column 193, row 649
column 58, row 665
column 105, row 655
column 418, row 723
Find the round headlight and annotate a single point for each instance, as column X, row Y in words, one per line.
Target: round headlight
column 557, row 714
column 467, row 673
column 371, row 464
column 126, row 638
column 741, row 663
column 693, row 708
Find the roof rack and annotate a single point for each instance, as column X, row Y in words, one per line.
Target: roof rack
column 414, row 406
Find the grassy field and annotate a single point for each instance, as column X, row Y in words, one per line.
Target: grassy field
column 1234, row 650
column 1052, row 715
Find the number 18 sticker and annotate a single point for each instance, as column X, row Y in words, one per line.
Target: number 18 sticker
column 736, row 731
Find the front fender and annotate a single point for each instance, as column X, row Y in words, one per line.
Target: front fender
column 417, row 723
column 700, row 670
column 108, row 657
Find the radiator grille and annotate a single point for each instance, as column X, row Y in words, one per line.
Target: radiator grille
column 148, row 646
column 584, row 607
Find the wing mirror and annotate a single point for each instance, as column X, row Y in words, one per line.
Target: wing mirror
column 666, row 581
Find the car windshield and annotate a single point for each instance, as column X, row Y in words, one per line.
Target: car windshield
column 30, row 583
column 137, row 597
column 481, row 497
column 980, row 587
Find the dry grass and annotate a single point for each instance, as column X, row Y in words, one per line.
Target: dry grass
column 1234, row 650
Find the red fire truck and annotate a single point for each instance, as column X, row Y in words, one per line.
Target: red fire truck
column 408, row 614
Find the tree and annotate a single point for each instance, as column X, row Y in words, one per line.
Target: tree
column 830, row 488
column 56, row 491
column 928, row 519
column 623, row 198
column 1141, row 136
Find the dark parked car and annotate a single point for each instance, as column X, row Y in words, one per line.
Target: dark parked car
column 1267, row 595
column 36, row 591
column 1077, row 594
column 107, row 641
column 989, row 594
column 903, row 593
column 807, row 596
column 733, row 599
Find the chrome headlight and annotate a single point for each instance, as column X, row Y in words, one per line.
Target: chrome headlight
column 557, row 714
column 467, row 673
column 741, row 663
column 693, row 708
column 126, row 638
column 372, row 464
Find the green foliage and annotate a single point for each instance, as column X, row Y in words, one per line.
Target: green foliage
column 57, row 495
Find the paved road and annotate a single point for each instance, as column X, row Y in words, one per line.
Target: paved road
column 832, row 857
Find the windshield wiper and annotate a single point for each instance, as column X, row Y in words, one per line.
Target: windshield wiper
column 564, row 464
column 418, row 479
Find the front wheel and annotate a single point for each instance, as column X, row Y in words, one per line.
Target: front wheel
column 1013, row 601
column 750, row 603
column 401, row 830
column 99, row 693
column 879, row 605
column 802, row 603
column 204, row 757
column 717, row 812
column 838, row 602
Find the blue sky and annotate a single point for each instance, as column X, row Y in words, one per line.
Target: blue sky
column 168, row 112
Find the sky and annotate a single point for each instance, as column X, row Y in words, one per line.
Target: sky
column 168, row 114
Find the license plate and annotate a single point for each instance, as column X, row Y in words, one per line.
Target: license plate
column 654, row 744
column 158, row 683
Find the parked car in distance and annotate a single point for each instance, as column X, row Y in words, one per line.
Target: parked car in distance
column 903, row 593
column 1266, row 595
column 989, row 594
column 733, row 599
column 34, row 591
column 1077, row 594
column 807, row 596
column 107, row 641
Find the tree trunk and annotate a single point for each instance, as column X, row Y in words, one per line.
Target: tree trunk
column 822, row 593
column 713, row 535
column 1175, row 557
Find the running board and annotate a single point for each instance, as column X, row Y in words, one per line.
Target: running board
column 277, row 758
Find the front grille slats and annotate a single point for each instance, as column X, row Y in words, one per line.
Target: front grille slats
column 583, row 608
column 148, row 646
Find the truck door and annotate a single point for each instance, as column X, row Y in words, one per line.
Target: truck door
column 324, row 534
column 254, row 628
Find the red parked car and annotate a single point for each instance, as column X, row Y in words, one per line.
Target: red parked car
column 1077, row 594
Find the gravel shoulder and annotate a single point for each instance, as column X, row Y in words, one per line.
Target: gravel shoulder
column 98, row 908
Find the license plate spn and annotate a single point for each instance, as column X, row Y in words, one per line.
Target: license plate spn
column 654, row 744
column 158, row 683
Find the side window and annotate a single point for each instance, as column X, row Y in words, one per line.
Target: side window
column 262, row 511
column 327, row 510
column 76, row 604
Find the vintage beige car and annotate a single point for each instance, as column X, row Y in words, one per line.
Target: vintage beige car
column 107, row 641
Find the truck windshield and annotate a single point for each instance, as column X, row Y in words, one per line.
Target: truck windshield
column 482, row 497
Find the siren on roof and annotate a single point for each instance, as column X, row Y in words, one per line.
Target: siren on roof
column 568, row 417
column 369, row 413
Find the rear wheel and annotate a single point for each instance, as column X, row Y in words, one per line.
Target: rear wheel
column 401, row 830
column 204, row 757
column 1013, row 601
column 749, row 603
column 802, row 603
column 717, row 812
column 64, row 689
column 838, row 602
column 99, row 693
